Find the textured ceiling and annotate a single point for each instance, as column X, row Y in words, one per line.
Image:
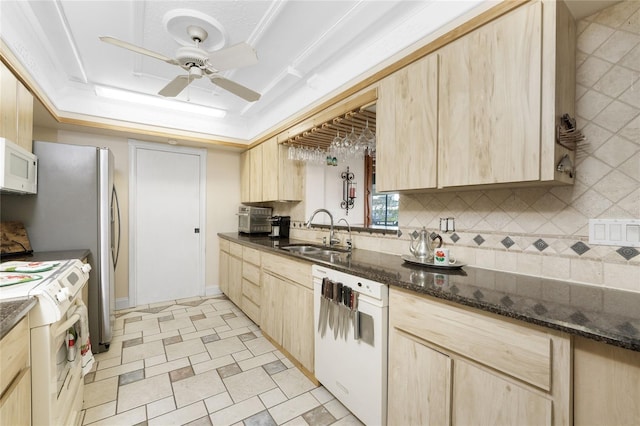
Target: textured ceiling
column 306, row 49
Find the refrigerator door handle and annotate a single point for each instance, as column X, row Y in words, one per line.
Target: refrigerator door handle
column 115, row 205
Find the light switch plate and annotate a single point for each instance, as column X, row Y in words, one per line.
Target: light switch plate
column 614, row 232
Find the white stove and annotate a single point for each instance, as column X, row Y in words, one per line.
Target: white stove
column 57, row 366
column 55, row 288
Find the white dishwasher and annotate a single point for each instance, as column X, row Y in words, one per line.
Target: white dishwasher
column 351, row 325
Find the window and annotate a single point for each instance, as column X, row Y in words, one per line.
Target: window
column 382, row 209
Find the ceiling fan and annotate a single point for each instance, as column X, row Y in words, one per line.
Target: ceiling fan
column 198, row 62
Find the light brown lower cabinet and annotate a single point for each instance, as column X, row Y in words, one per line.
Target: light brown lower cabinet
column 15, row 376
column 287, row 306
column 606, row 384
column 460, row 366
column 251, row 286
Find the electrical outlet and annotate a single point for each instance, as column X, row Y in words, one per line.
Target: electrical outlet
column 615, row 232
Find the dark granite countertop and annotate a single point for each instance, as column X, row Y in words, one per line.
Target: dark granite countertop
column 603, row 314
column 13, row 310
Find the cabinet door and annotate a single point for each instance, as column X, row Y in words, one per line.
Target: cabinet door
column 235, row 280
column 484, row 398
column 489, row 106
column 8, row 102
column 419, row 383
column 291, row 178
column 255, row 163
column 24, row 111
column 298, row 334
column 15, row 403
column 245, row 177
column 406, row 151
column 224, row 272
column 271, row 312
column 270, row 170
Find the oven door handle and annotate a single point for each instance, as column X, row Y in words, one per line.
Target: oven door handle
column 62, row 328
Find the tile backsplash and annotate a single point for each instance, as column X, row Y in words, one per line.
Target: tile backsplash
column 544, row 231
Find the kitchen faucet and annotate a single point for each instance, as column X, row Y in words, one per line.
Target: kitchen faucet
column 350, row 240
column 332, row 239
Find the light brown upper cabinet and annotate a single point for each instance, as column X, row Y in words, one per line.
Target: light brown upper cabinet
column 282, row 179
column 407, row 119
column 268, row 175
column 482, row 109
column 16, row 110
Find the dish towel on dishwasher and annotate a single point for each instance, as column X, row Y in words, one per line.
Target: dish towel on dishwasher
column 85, row 343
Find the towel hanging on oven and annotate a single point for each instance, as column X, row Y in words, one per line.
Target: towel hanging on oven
column 85, row 343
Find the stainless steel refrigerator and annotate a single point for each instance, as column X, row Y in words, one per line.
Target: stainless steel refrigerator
column 76, row 208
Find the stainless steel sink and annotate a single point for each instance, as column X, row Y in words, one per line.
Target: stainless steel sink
column 311, row 249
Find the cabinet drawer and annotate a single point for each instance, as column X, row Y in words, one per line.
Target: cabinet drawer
column 516, row 350
column 224, row 245
column 251, row 291
column 14, row 353
column 293, row 270
column 251, row 255
column 235, row 249
column 251, row 272
column 251, row 310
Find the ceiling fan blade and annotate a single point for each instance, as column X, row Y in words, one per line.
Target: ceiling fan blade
column 175, row 86
column 235, row 88
column 138, row 49
column 236, row 56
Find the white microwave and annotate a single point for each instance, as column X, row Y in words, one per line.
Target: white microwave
column 19, row 169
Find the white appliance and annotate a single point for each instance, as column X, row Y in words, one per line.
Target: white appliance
column 19, row 169
column 351, row 344
column 76, row 208
column 57, row 384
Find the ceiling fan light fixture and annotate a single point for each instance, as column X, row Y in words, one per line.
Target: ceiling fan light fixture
column 141, row 98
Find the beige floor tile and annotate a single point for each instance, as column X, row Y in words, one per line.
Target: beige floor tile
column 160, row 335
column 257, row 361
column 242, row 355
column 99, row 412
column 222, row 328
column 98, row 393
column 181, row 415
column 198, row 387
column 184, row 349
column 235, row 413
column 209, row 322
column 144, row 392
column 248, row 384
column 213, row 364
column 225, row 347
column 239, row 322
column 145, row 324
column 273, row 397
column 119, row 369
column 145, row 350
column 259, row 346
column 115, row 350
column 108, row 362
column 293, row 382
column 175, row 324
column 155, row 360
column 295, row 407
column 198, row 358
column 160, row 407
column 166, row 367
column 234, row 332
column 336, row 409
column 298, row 421
column 131, row 417
column 218, row 402
column 322, row 394
column 197, row 334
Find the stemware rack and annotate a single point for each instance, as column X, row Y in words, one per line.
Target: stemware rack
column 322, row 135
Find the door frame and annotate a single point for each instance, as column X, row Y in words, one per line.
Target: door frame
column 134, row 145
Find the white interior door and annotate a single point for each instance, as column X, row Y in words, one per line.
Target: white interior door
column 167, row 190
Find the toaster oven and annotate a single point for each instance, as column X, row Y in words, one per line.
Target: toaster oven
column 254, row 220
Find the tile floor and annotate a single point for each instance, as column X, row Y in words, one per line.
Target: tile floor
column 200, row 361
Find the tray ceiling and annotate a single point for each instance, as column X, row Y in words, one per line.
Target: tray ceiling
column 306, row 50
